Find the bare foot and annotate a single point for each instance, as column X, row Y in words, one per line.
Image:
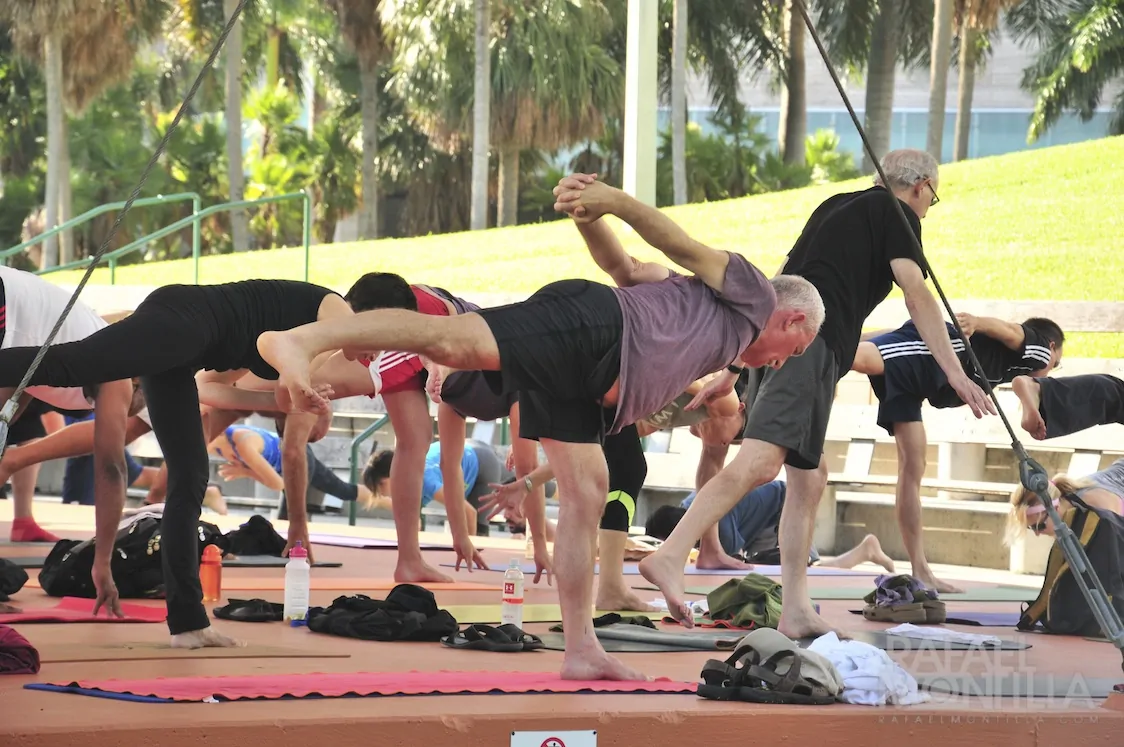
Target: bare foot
column 942, row 587
column 802, row 621
column 720, row 561
column 621, row 600
column 872, row 548
column 205, row 638
column 1028, row 393
column 419, row 572
column 595, row 664
column 279, row 350
column 214, row 500
column 667, row 574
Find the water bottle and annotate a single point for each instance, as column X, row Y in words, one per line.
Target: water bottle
column 511, row 611
column 296, row 585
column 210, row 574
column 529, row 548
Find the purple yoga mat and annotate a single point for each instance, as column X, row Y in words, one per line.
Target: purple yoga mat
column 363, row 543
column 632, row 569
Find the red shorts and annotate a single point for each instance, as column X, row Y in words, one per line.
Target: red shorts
column 394, row 371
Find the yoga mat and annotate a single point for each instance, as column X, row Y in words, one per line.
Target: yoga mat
column 73, row 609
column 1020, row 685
column 557, row 642
column 709, row 640
column 489, row 614
column 339, row 685
column 320, row 583
column 632, row 569
column 979, row 619
column 363, row 543
column 993, row 594
column 243, row 561
column 74, row 652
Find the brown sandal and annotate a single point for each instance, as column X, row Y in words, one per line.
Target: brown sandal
column 758, row 682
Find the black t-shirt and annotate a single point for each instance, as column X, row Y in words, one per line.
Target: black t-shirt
column 1000, row 363
column 235, row 314
column 845, row 251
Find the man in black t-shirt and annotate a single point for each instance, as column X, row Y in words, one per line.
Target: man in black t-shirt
column 853, row 249
column 904, row 374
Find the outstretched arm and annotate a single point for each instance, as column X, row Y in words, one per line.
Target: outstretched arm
column 112, row 410
column 1010, row 334
column 610, row 256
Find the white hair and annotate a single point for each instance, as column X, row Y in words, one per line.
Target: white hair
column 796, row 293
column 907, row 166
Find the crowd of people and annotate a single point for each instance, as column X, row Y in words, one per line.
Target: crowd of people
column 583, row 369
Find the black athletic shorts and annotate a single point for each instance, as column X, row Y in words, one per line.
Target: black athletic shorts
column 792, row 404
column 30, row 424
column 469, row 393
column 561, row 351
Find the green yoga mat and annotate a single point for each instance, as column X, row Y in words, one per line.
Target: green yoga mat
column 856, row 594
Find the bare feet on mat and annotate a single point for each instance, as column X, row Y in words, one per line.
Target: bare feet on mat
column 205, row 638
column 720, row 562
column 872, row 548
column 621, row 600
column 1029, row 397
column 802, row 621
column 667, row 575
column 593, row 663
column 942, row 587
column 419, row 572
column 281, row 351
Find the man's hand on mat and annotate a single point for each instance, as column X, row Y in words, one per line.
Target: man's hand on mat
column 718, row 387
column 542, row 563
column 298, row 531
column 467, row 552
column 972, row 395
column 106, row 591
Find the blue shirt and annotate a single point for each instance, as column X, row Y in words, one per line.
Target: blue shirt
column 271, row 451
column 757, row 511
column 432, row 480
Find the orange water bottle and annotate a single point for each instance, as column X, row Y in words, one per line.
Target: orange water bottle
column 210, row 574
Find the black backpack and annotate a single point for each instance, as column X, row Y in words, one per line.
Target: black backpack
column 1061, row 607
column 136, row 562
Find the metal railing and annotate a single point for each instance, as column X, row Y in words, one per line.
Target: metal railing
column 138, row 244
column 196, row 202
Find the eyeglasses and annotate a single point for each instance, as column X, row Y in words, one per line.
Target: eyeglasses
column 935, row 199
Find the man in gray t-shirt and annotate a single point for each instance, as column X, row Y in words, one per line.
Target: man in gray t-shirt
column 587, row 361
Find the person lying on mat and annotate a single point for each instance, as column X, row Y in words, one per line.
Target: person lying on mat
column 255, row 453
column 588, row 361
column 1103, row 490
column 177, row 331
column 750, row 529
column 903, row 374
column 1057, row 407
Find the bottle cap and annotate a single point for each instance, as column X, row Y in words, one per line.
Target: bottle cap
column 298, row 551
column 211, row 553
column 514, row 563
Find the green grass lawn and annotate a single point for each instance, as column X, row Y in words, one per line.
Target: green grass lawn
column 1031, row 225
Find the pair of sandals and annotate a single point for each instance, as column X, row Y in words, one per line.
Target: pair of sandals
column 744, row 677
column 904, row 599
column 504, row 639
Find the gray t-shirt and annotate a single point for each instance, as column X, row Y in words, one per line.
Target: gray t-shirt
column 1111, row 478
column 679, row 329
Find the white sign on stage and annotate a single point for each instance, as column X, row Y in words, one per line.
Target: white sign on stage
column 582, row 738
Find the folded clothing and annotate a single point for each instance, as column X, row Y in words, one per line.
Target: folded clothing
column 17, row 655
column 12, row 579
column 250, row 610
column 869, row 675
column 750, row 602
column 409, row 613
column 944, row 634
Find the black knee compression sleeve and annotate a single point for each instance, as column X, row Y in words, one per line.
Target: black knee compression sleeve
column 628, row 468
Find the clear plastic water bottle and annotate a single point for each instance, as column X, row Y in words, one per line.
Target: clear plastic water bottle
column 297, row 585
column 511, row 610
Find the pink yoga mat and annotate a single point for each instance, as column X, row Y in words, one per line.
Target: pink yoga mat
column 364, row 543
column 338, row 685
column 74, row 609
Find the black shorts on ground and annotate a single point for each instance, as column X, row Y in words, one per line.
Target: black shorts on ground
column 793, row 404
column 561, row 351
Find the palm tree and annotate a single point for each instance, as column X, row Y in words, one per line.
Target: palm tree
column 976, row 20
column 481, row 101
column 1080, row 52
column 793, row 128
column 679, row 102
column 553, row 82
column 360, row 24
column 941, row 56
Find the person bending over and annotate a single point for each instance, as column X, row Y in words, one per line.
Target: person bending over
column 175, row 332
column 903, row 374
column 1057, row 407
column 853, row 249
column 588, row 361
column 1103, row 489
column 750, row 529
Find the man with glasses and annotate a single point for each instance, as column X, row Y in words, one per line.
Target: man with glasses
column 853, row 249
column 904, row 374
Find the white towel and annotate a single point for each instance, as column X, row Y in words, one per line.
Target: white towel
column 944, row 634
column 870, row 676
column 700, row 607
column 133, row 515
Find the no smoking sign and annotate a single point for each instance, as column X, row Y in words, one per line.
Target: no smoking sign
column 584, row 738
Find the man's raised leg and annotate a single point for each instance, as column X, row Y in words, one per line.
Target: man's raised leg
column 911, row 441
column 756, row 463
column 799, row 618
column 584, row 479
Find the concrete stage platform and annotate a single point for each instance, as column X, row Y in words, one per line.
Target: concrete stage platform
column 43, row 719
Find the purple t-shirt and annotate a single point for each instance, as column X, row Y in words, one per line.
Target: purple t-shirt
column 680, row 329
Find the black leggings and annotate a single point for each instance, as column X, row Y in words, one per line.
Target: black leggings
column 624, row 455
column 1074, row 403
column 321, row 477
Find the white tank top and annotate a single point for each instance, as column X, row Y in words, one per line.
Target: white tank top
column 32, row 306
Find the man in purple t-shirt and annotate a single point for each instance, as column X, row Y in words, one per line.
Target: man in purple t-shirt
column 587, row 360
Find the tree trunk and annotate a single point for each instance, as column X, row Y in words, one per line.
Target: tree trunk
column 509, row 187
column 52, row 57
column 793, row 130
column 941, row 56
column 66, row 193
column 239, row 222
column 369, row 205
column 481, row 116
column 679, row 102
column 879, row 115
column 964, row 93
column 273, row 56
